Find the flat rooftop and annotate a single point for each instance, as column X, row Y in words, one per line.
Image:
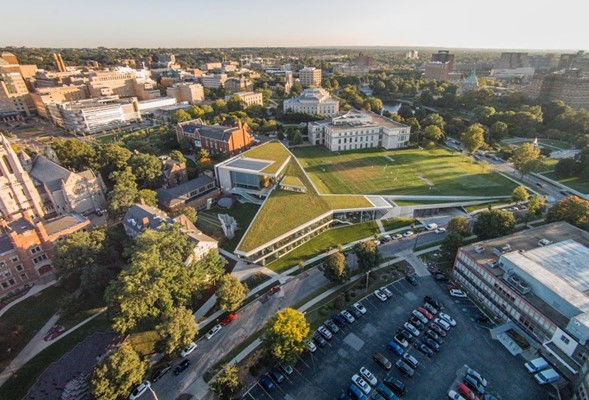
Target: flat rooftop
column 272, row 151
column 245, row 163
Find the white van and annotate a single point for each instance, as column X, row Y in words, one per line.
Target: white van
column 431, row 227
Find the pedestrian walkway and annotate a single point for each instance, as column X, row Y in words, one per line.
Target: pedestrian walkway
column 380, row 227
column 33, row 291
column 418, row 265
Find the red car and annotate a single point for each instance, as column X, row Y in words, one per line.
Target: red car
column 466, row 392
column 427, row 314
column 230, row 318
column 275, row 289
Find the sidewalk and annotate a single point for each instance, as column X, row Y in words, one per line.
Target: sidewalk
column 33, row 291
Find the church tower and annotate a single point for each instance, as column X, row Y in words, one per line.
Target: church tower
column 18, row 194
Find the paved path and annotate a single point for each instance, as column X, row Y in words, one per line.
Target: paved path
column 33, row 291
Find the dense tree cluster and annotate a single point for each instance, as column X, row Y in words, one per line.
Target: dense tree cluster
column 493, row 223
column 285, row 334
column 572, row 209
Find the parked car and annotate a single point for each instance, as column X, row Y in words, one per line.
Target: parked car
column 440, row 331
column 276, row 375
column 442, row 323
column 274, row 290
column 368, row 376
column 406, row 334
column 213, row 331
column 434, row 336
column 411, row 329
column 425, row 312
column 477, row 376
column 158, row 373
column 139, row 390
column 286, row 368
column 386, row 292
column 416, row 322
column 323, row 331
column 358, row 306
column 408, row 233
column 466, row 392
column 329, row 324
column 382, row 360
column 397, row 386
column 457, row 293
column 182, row 366
column 419, row 316
column 412, row 361
column 405, row 368
column 385, row 392
column 349, row 317
column 401, row 340
column 424, row 349
column 380, row 295
column 188, row 349
column 452, row 395
column 473, row 384
column 440, row 230
column 319, row 340
column 361, row 383
column 229, row 319
column 433, row 302
column 267, row 383
column 356, row 393
column 311, row 346
column 430, row 308
column 357, row 314
column 339, row 320
column 411, row 279
column 397, row 236
column 447, row 318
column 393, row 346
column 432, row 344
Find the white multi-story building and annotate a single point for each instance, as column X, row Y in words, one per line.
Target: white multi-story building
column 313, row 101
column 310, row 77
column 249, row 98
column 95, row 115
column 358, row 130
column 213, row 81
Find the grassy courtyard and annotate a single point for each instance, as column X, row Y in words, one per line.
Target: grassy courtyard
column 576, row 182
column 402, row 172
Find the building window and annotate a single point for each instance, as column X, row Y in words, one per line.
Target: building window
column 14, row 259
column 19, row 267
column 565, row 339
column 23, row 277
column 35, row 250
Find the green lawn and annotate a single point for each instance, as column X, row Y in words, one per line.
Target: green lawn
column 324, row 242
column 208, row 222
column 270, row 151
column 413, row 172
column 555, row 143
column 17, row 386
column 284, row 210
column 20, row 323
column 578, row 183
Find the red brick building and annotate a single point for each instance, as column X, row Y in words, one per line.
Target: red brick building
column 217, row 139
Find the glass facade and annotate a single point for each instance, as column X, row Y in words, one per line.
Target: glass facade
column 243, row 180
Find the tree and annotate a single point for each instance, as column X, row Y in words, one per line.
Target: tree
column 177, row 156
column 112, row 157
column 335, row 268
column 124, row 193
column 181, row 116
column 74, row 154
column 79, row 251
column 519, row 194
column 572, row 209
column 525, row 158
column 190, row 213
column 227, row 385
column 434, row 119
column 566, row 168
column 450, row 245
column 118, row 374
column 368, row 255
column 459, row 225
column 285, row 335
column 147, row 169
column 149, row 197
column 208, row 270
column 493, row 223
column 536, row 205
column 177, row 329
column 433, row 133
column 230, row 293
column 473, row 138
column 499, row 131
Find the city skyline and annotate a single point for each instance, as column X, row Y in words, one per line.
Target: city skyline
column 261, row 23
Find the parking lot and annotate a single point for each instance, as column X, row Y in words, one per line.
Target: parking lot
column 327, row 373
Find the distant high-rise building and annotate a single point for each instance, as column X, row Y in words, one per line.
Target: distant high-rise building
column 574, row 61
column 512, row 60
column 365, row 61
column 310, row 77
column 59, row 64
column 412, row 55
column 543, row 62
column 570, row 86
column 440, row 66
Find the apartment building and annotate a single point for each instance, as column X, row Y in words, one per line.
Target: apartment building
column 249, row 98
column 358, row 130
column 213, row 81
column 440, row 66
column 570, row 86
column 310, row 77
column 122, row 82
column 45, row 100
column 95, row 115
column 186, row 92
column 217, row 139
column 14, row 93
column 536, row 281
column 316, row 101
column 241, row 84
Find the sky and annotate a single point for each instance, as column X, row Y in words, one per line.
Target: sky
column 496, row 24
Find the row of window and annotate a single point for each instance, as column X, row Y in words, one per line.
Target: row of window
column 42, row 257
column 12, row 281
column 12, row 259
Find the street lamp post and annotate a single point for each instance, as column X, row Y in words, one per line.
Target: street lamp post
column 367, row 275
column 415, row 244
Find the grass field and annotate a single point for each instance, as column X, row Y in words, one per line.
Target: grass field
column 208, row 222
column 578, row 183
column 403, row 172
column 325, row 241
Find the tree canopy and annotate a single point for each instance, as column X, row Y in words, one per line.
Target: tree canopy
column 227, row 384
column 124, row 193
column 459, row 225
column 368, row 255
column 525, row 158
column 285, row 335
column 230, row 293
column 473, row 138
column 520, row 194
column 118, row 374
column 493, row 223
column 176, row 329
column 572, row 209
column 335, row 268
